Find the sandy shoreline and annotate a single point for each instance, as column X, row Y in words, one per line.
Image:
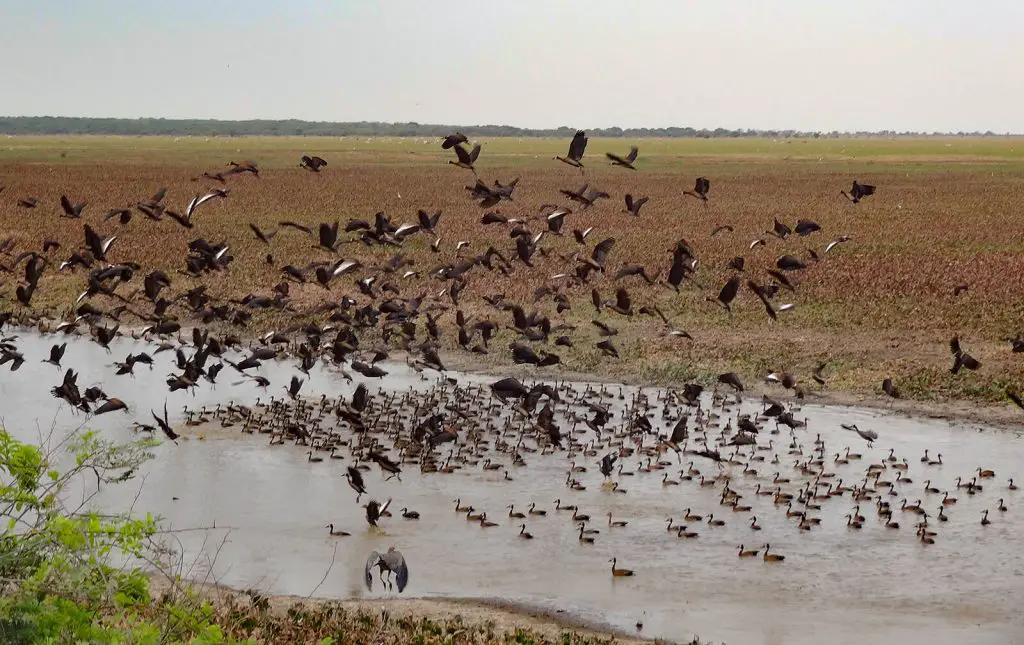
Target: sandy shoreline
column 504, row 617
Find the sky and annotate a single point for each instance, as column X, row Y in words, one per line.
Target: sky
column 922, row 65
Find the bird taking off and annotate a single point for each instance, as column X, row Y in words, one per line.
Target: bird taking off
column 858, row 192
column 388, row 563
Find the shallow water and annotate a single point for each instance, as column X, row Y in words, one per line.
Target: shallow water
column 836, row 585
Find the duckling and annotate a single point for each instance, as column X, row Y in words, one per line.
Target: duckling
column 410, row 515
column 620, row 573
column 681, row 532
column 771, row 557
column 984, row 518
column 338, row 533
column 713, row 522
column 583, row 538
column 749, row 553
column 533, row 510
column 616, row 523
column 736, row 508
column 523, row 534
column 514, row 514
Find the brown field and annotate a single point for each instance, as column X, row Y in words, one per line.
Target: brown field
column 947, row 212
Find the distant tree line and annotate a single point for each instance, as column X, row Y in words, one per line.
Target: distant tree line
column 294, row 127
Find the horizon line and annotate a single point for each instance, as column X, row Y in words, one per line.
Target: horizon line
column 615, row 131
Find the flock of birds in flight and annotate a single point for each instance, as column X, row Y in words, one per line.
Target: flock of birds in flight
column 335, row 332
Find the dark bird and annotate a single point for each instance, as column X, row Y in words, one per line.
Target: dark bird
column 728, row 293
column 328, row 236
column 805, row 227
column 428, row 222
column 73, row 211
column 355, row 481
column 633, row 205
column 165, row 425
column 262, row 236
column 110, row 405
column 386, row 465
column 732, row 379
column 858, row 192
column 466, row 159
column 576, row 149
column 374, row 511
column 56, row 354
column 625, row 162
column 700, row 189
column 890, row 389
column 790, row 263
column 313, row 163
column 453, row 140
column 294, row 387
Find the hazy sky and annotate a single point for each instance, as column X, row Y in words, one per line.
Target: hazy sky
column 805, row 64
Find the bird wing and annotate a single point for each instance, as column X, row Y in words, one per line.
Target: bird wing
column 396, row 562
column 463, row 156
column 578, row 145
column 631, row 157
column 368, row 572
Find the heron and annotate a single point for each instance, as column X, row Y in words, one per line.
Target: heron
column 391, row 562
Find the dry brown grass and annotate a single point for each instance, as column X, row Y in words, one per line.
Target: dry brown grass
column 880, row 305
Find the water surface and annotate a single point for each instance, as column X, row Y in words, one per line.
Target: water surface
column 837, row 585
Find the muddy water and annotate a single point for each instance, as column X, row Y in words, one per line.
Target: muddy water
column 837, row 585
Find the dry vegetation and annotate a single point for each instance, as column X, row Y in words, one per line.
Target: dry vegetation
column 291, row 619
column 881, row 305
